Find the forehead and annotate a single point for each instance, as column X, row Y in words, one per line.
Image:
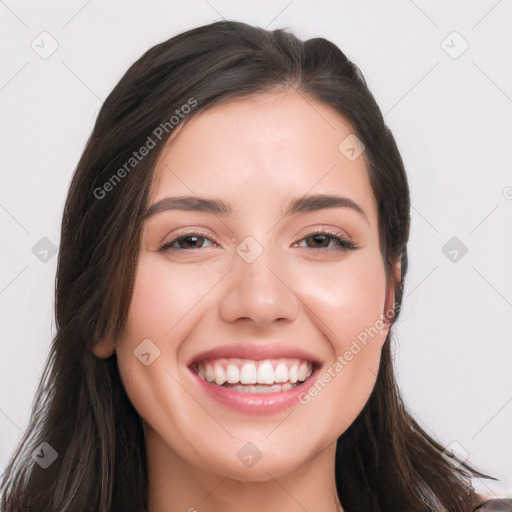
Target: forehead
column 260, row 149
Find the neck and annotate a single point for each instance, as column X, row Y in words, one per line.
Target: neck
column 176, row 485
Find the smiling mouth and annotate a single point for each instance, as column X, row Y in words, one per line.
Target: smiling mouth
column 251, row 376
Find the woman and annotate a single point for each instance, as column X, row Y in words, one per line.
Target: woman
column 232, row 261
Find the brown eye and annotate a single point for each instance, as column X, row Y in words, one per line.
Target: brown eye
column 319, row 240
column 187, row 242
column 327, row 241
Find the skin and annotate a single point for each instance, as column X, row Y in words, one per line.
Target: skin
column 257, row 154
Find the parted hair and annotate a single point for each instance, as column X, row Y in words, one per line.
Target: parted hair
column 385, row 461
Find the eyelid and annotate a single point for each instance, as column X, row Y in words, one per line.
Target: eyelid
column 189, row 231
column 327, row 230
column 346, row 242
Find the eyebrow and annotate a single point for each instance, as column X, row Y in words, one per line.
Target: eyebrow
column 306, row 203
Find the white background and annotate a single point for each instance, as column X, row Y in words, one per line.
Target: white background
column 452, row 121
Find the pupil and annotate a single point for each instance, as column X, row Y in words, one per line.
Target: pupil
column 319, row 239
column 194, row 240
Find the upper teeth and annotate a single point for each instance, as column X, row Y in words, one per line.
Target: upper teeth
column 232, row 371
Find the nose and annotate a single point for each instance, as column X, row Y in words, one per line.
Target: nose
column 259, row 292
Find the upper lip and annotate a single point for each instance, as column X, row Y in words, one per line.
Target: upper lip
column 256, row 351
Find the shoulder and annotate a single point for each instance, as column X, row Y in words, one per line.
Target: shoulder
column 495, row 495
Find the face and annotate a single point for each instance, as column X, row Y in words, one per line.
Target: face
column 255, row 327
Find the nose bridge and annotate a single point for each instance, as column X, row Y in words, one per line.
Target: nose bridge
column 257, row 287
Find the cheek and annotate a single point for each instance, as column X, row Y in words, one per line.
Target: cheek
column 347, row 301
column 164, row 299
column 165, row 307
column 346, row 305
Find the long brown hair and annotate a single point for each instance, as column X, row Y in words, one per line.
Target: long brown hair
column 384, row 462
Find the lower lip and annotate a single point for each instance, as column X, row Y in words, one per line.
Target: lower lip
column 255, row 403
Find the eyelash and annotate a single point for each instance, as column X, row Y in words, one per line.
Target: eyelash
column 342, row 243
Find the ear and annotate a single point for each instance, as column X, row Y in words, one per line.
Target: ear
column 104, row 347
column 390, row 292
